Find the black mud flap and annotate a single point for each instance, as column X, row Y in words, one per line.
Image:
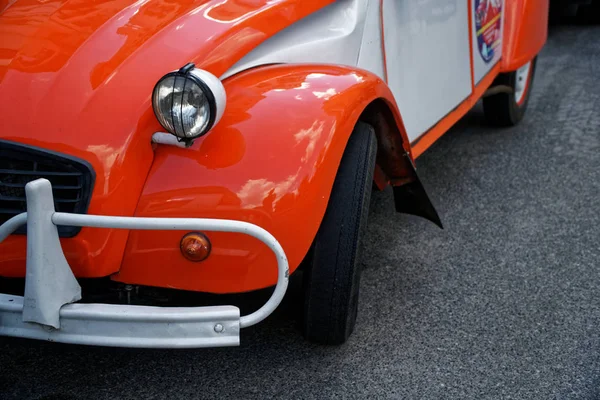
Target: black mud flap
column 411, row 198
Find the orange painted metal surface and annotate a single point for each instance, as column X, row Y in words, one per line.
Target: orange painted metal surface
column 76, row 77
column 270, row 161
column 525, row 32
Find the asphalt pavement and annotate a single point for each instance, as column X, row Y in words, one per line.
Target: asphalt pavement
column 502, row 304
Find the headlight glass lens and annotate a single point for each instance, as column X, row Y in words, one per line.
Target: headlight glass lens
column 181, row 106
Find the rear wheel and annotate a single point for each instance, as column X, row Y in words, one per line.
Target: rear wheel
column 507, row 109
column 332, row 275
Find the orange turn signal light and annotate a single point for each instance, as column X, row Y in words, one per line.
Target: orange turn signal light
column 195, row 246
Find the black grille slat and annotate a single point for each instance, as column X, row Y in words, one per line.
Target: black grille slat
column 67, row 200
column 9, row 198
column 63, row 187
column 38, row 173
column 72, row 181
column 22, row 199
column 57, row 187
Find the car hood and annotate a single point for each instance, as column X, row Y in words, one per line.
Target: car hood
column 76, row 76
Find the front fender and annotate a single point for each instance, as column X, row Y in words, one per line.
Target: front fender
column 525, row 32
column 271, row 161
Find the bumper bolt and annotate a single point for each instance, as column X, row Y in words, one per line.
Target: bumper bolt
column 218, row 328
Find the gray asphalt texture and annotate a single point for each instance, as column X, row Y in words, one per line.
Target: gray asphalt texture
column 502, row 304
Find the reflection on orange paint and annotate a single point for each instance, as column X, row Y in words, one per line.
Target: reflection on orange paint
column 135, row 24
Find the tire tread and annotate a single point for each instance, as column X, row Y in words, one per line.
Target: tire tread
column 334, row 276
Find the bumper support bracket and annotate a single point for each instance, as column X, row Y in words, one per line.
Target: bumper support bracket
column 50, row 283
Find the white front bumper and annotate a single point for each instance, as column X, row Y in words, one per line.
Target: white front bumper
column 48, row 312
column 128, row 326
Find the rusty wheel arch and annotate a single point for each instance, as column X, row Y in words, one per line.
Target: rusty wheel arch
column 395, row 166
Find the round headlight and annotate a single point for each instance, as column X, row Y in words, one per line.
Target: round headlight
column 188, row 102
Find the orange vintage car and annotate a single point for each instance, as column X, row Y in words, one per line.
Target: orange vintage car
column 218, row 145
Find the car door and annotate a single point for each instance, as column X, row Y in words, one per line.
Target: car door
column 428, row 58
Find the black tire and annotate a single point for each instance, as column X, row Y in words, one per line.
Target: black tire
column 332, row 276
column 502, row 109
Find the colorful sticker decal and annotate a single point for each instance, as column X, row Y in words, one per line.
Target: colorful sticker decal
column 488, row 24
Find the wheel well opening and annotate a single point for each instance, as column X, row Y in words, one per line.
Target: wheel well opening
column 394, row 166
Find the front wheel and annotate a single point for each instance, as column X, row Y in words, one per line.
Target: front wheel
column 507, row 109
column 332, row 275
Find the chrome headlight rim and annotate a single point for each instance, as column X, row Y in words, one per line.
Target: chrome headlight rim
column 186, row 72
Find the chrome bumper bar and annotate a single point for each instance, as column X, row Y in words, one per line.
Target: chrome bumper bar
column 47, row 311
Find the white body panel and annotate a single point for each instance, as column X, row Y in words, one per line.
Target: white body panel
column 427, row 51
column 481, row 66
column 332, row 35
column 426, row 45
column 371, row 49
